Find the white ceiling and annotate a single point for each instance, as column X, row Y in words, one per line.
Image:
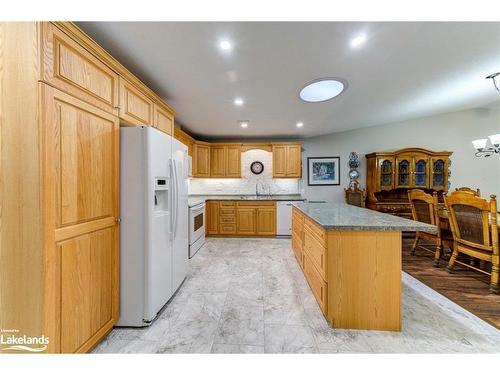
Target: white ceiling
column 405, row 70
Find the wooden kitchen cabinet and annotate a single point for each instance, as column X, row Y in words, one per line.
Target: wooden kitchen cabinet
column 212, row 214
column 233, row 161
column 70, row 67
column 266, row 222
column 246, row 221
column 218, row 161
column 135, row 107
column 225, row 161
column 88, row 287
column 287, row 160
column 201, row 159
column 81, row 164
column 241, row 218
column 60, row 155
column 162, row 119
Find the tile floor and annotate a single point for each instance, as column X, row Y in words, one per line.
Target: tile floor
column 250, row 296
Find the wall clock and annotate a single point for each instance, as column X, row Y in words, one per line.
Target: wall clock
column 257, row 167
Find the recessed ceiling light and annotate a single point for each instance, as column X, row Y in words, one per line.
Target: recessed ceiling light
column 225, row 45
column 244, row 124
column 322, row 89
column 358, row 41
column 238, row 102
column 300, row 124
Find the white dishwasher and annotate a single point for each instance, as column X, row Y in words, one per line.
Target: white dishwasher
column 284, row 220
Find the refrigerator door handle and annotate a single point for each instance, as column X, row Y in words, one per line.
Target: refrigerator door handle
column 172, row 198
column 176, row 195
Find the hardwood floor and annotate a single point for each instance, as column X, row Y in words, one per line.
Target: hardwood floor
column 465, row 287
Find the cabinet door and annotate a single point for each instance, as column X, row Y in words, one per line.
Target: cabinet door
column 135, row 107
column 293, row 161
column 212, row 213
column 385, row 173
column 163, row 120
column 217, row 161
column 266, row 221
column 403, row 172
column 439, row 174
column 87, row 287
column 233, row 161
column 201, row 160
column 81, row 156
column 279, row 161
column 71, row 68
column 245, row 221
column 420, row 172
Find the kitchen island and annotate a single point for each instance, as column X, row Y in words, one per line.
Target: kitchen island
column 351, row 258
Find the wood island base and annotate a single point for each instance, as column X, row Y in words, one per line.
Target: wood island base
column 355, row 275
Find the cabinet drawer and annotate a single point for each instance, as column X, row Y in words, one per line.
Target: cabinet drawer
column 297, row 249
column 317, row 284
column 256, row 203
column 227, row 211
column 226, row 203
column 316, row 230
column 227, row 219
column 70, row 67
column 316, row 251
column 227, row 228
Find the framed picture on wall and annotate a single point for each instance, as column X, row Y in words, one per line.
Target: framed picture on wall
column 323, row 171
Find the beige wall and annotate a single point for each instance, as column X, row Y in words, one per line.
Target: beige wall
column 452, row 132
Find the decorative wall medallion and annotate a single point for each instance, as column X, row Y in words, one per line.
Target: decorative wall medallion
column 257, row 167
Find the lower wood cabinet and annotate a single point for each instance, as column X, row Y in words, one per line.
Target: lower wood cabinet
column 241, row 218
column 87, row 288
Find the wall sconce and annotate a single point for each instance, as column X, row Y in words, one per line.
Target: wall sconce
column 481, row 146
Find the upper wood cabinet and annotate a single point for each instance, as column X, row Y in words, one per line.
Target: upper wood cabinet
column 201, row 159
column 225, row 161
column 70, row 67
column 287, row 160
column 233, row 161
column 162, row 119
column 218, row 157
column 135, row 107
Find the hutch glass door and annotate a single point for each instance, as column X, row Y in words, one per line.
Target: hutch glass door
column 420, row 173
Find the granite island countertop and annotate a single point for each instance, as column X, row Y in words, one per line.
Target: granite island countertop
column 197, row 199
column 341, row 216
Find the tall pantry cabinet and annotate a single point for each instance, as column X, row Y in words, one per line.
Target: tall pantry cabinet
column 59, row 182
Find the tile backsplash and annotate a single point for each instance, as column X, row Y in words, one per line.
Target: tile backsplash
column 246, row 184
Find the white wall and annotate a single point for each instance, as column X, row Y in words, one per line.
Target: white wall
column 246, row 184
column 450, row 132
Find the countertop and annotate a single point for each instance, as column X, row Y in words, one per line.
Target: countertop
column 197, row 199
column 341, row 216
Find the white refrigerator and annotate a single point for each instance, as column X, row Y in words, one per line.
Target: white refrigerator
column 154, row 222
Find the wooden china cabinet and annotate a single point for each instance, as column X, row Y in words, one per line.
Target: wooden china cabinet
column 391, row 174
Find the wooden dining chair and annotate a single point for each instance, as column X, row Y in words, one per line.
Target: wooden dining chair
column 473, row 223
column 355, row 196
column 424, row 209
column 476, row 192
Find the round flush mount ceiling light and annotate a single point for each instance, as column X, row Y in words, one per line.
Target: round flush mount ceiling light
column 323, row 89
column 225, row 45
